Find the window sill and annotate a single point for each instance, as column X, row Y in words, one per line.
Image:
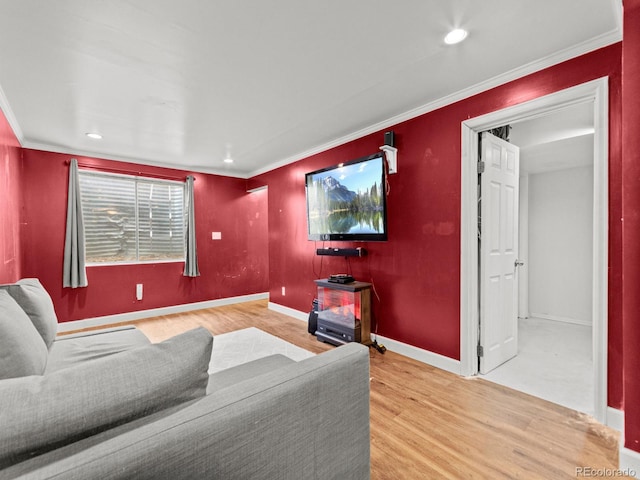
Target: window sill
column 116, row 264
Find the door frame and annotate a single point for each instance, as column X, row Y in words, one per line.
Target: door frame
column 595, row 91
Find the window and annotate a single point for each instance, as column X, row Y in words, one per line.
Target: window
column 132, row 219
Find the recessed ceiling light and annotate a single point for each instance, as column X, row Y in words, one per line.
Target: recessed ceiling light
column 228, row 160
column 455, row 36
column 95, row 136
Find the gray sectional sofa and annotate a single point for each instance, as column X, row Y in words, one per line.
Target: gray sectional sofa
column 108, row 404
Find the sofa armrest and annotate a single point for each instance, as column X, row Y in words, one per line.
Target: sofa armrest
column 245, row 371
column 307, row 420
column 90, row 333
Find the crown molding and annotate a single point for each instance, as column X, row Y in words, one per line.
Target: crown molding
column 46, row 147
column 11, row 118
column 558, row 57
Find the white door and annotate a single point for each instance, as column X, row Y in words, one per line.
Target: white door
column 498, row 252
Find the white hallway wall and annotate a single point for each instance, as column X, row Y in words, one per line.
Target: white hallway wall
column 560, row 244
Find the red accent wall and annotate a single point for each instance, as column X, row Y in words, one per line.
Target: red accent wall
column 631, row 221
column 9, row 203
column 235, row 265
column 416, row 273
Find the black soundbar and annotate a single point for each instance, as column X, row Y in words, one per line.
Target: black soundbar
column 342, row 252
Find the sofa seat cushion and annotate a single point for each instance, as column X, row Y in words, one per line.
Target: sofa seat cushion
column 22, row 350
column 42, row 413
column 36, row 302
column 74, row 349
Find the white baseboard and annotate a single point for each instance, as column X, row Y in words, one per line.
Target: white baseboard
column 629, row 462
column 292, row 312
column 424, row 356
column 421, row 355
column 154, row 312
column 556, row 318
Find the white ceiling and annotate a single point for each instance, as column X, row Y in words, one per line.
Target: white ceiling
column 559, row 140
column 186, row 83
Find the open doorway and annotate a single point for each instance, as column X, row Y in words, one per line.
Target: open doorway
column 554, row 358
column 595, row 95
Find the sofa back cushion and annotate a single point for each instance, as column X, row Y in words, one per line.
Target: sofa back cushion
column 22, row 350
column 36, row 302
column 42, row 413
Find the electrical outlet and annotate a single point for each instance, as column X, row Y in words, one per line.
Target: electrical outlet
column 216, row 235
column 139, row 291
column 284, row 292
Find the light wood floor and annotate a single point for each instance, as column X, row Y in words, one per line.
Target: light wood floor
column 430, row 424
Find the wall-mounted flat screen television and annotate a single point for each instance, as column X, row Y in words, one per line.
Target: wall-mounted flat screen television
column 348, row 201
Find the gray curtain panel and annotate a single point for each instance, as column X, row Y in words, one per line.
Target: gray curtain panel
column 191, row 255
column 74, row 271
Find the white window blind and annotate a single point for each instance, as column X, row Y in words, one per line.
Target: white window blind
column 132, row 219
